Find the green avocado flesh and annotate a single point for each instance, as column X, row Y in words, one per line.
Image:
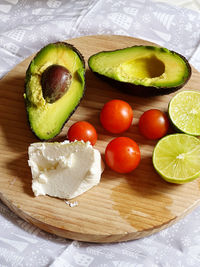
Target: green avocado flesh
column 144, row 66
column 47, row 119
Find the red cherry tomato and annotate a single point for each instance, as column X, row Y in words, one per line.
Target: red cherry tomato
column 82, row 130
column 153, row 124
column 122, row 155
column 116, row 116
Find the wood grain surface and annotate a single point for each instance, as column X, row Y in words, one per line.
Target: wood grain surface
column 121, row 207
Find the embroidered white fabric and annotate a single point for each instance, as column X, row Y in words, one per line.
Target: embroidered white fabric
column 25, row 27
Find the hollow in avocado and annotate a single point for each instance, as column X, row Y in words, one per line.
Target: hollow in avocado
column 54, row 87
column 142, row 70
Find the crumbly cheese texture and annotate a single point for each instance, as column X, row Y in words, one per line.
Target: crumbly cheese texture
column 64, row 170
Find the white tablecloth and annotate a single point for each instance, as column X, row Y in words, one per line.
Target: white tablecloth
column 25, row 27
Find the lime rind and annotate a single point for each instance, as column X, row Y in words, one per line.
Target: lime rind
column 184, row 112
column 176, row 158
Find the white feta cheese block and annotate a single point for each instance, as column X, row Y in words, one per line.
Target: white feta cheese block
column 64, row 170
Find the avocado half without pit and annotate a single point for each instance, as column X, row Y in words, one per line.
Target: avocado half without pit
column 54, row 87
column 142, row 70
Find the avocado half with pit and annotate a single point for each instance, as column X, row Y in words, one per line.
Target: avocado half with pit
column 54, row 87
column 142, row 70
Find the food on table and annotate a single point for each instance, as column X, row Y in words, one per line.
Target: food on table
column 184, row 112
column 153, row 124
column 176, row 158
column 54, row 87
column 122, row 154
column 64, row 170
column 142, row 70
column 82, row 130
column 116, row 116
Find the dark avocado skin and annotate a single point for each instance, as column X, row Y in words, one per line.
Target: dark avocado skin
column 28, row 74
column 141, row 90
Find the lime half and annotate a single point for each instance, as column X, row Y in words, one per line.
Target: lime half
column 176, row 158
column 184, row 112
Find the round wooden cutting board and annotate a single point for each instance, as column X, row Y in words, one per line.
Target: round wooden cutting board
column 122, row 207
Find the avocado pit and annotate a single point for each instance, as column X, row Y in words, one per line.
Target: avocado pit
column 55, row 81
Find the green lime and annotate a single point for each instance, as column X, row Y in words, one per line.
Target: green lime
column 184, row 112
column 176, row 158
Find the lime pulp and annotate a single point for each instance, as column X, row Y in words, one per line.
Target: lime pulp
column 176, row 158
column 184, row 112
